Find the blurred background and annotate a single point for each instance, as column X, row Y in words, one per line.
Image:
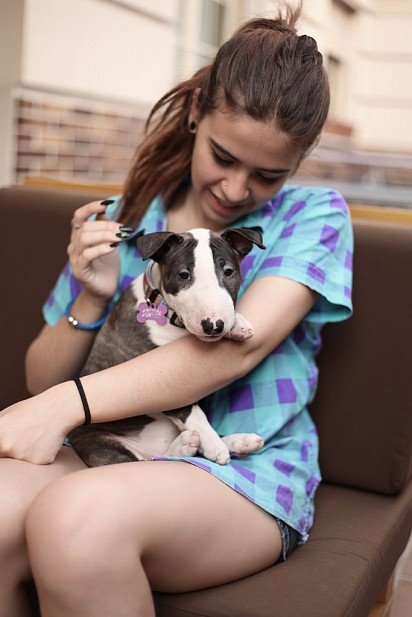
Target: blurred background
column 78, row 78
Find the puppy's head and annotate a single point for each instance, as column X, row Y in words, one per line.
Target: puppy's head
column 200, row 274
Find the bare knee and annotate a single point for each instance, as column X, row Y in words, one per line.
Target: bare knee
column 18, row 487
column 70, row 533
column 20, row 482
column 13, row 557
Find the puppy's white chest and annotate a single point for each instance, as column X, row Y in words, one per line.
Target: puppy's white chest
column 153, row 440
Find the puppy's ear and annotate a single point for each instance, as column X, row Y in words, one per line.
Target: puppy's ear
column 242, row 239
column 157, row 244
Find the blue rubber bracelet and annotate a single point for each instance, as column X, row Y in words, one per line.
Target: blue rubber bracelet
column 85, row 326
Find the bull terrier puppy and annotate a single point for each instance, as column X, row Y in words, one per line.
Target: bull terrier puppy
column 189, row 287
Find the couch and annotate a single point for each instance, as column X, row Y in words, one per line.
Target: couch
column 363, row 412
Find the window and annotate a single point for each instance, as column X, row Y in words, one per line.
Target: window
column 203, row 26
column 213, row 15
column 335, row 81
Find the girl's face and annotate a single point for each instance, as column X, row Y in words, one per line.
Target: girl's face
column 238, row 164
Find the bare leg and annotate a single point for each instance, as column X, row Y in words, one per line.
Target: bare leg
column 111, row 534
column 19, row 483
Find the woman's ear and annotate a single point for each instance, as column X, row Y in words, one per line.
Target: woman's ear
column 194, row 114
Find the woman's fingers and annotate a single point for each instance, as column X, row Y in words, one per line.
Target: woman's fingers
column 94, row 252
column 92, row 248
column 93, row 238
column 84, row 212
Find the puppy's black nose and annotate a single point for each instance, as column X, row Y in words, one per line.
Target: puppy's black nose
column 219, row 327
column 209, row 327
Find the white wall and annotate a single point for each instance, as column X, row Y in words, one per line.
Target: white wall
column 374, row 93
column 115, row 51
column 99, row 48
column 383, row 90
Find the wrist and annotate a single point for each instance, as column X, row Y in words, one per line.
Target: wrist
column 97, row 302
column 87, row 312
column 69, row 405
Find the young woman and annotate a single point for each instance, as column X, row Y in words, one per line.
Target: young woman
column 218, row 151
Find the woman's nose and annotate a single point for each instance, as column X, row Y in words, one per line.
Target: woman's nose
column 235, row 189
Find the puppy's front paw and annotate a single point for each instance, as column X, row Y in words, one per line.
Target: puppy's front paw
column 243, row 444
column 185, row 444
column 217, row 452
column 241, row 329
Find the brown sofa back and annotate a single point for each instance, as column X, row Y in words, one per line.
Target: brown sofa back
column 34, row 234
column 363, row 409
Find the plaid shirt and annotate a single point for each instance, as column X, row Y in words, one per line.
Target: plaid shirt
column 309, row 239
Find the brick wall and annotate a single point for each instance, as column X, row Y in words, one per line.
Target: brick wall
column 69, row 140
column 65, row 139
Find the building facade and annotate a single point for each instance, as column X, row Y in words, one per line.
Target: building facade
column 78, row 78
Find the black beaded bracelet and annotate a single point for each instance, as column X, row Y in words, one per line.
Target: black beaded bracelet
column 84, row 400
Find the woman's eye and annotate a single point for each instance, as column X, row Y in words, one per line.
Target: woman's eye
column 228, row 271
column 220, row 160
column 184, row 274
column 268, row 180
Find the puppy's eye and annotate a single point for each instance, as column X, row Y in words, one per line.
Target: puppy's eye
column 228, row 271
column 184, row 274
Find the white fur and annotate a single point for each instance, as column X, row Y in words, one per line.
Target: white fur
column 205, row 298
column 153, row 440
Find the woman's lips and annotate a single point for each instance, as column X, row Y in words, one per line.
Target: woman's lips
column 220, row 207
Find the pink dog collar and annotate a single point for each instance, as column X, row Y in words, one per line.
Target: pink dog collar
column 155, row 308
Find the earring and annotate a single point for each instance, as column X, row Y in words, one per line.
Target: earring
column 192, row 127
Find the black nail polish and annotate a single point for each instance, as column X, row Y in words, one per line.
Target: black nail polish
column 123, row 235
column 125, row 228
column 107, row 202
column 114, row 244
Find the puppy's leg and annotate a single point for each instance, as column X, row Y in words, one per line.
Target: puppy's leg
column 185, row 444
column 243, row 444
column 211, row 446
column 241, row 329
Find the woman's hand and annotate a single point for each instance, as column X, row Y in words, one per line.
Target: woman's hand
column 33, row 430
column 94, row 263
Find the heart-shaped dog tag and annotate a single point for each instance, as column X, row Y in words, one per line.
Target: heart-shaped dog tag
column 156, row 313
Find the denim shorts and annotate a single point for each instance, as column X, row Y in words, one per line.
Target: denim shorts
column 290, row 539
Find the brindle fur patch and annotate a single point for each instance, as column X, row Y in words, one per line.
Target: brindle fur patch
column 224, row 256
column 181, row 258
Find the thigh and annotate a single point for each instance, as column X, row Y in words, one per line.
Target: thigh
column 205, row 533
column 20, row 482
column 190, row 530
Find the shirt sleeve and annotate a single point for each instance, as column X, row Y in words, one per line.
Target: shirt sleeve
column 314, row 246
column 67, row 287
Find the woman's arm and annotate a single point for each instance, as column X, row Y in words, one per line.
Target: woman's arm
column 187, row 370
column 59, row 352
column 168, row 377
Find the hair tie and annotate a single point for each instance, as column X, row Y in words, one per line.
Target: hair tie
column 85, row 404
column 285, row 30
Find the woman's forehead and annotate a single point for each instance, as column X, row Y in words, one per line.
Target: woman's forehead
column 251, row 141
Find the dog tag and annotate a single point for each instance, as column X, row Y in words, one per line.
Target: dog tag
column 156, row 313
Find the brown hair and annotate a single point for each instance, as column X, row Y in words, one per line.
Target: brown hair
column 264, row 71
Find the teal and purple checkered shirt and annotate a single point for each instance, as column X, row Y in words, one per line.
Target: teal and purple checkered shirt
column 309, row 239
